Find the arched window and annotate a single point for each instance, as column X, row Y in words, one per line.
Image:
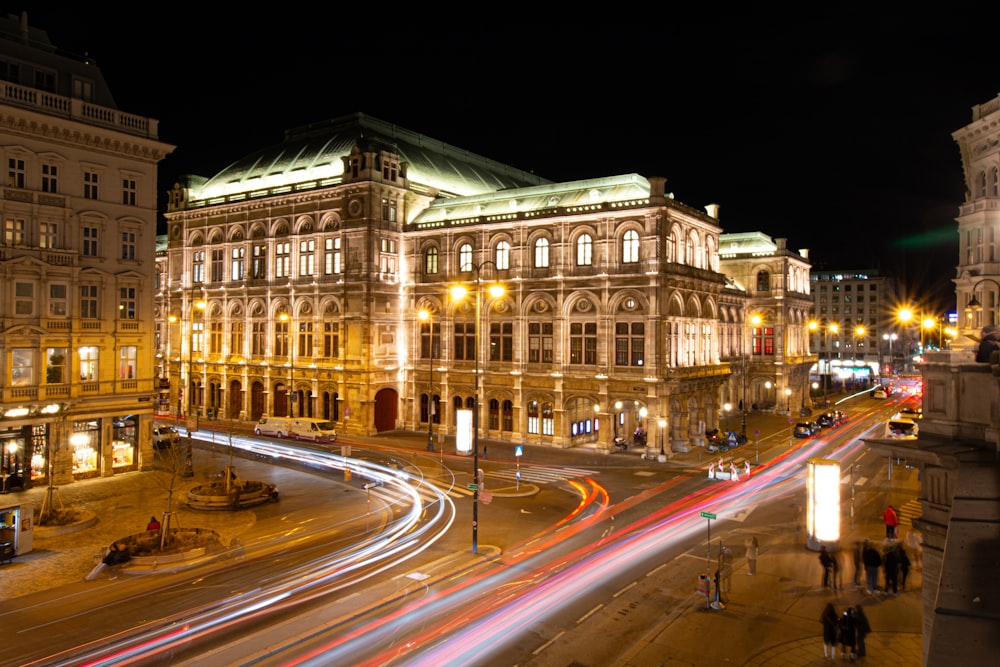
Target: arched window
column 548, row 419
column 763, row 281
column 630, row 247
column 671, row 249
column 995, row 187
column 981, row 184
column 456, row 406
column 541, row 253
column 431, row 261
column 503, row 256
column 585, row 250
column 494, row 417
column 508, row 416
column 465, row 257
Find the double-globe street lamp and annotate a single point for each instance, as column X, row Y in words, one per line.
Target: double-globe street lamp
column 458, row 293
column 755, row 320
column 890, row 337
column 290, row 350
column 975, row 306
column 198, row 305
column 826, row 329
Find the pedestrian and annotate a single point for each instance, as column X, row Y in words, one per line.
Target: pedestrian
column 856, row 555
column 890, row 565
column 153, row 524
column 904, row 566
column 873, row 562
column 835, row 577
column 891, row 520
column 830, row 622
column 826, row 561
column 484, row 451
column 914, row 542
column 117, row 554
column 861, row 628
column 848, row 634
column 753, row 549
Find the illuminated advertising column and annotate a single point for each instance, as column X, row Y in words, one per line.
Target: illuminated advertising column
column 463, row 431
column 822, row 504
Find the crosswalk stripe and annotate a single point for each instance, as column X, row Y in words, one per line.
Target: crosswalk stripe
column 543, row 475
column 909, row 511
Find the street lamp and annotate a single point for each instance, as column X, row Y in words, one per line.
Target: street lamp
column 289, row 347
column 188, row 462
column 427, row 316
column 976, row 306
column 726, row 408
column 890, row 337
column 755, row 320
column 458, row 293
column 618, row 412
column 788, row 401
column 859, row 334
column 663, row 427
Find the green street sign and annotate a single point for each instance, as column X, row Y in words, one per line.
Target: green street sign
column 708, row 515
column 473, row 487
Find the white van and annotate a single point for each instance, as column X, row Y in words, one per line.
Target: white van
column 276, row 426
column 308, row 428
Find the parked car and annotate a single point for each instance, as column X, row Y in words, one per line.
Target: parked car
column 911, row 411
column 165, row 437
column 802, row 430
column 827, row 419
column 901, row 428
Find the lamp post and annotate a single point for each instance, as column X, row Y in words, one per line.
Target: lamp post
column 618, row 412
column 188, row 459
column 663, row 427
column 459, row 292
column 726, row 408
column 289, row 345
column 976, row 306
column 427, row 316
column 834, row 328
column 755, row 320
column 859, row 333
column 180, row 385
column 890, row 337
column 788, row 401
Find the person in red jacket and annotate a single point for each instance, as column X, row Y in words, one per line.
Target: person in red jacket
column 891, row 522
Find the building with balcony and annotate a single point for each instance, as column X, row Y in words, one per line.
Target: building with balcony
column 292, row 281
column 76, row 267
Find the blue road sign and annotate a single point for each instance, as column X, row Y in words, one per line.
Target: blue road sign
column 733, row 439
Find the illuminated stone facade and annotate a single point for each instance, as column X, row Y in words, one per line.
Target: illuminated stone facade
column 314, row 257
column 76, row 265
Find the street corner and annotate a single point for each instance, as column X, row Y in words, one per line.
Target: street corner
column 520, row 491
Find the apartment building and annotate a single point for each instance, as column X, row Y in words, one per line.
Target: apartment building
column 76, row 268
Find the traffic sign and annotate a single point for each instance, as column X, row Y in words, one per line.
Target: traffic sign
column 708, row 515
column 518, row 451
column 473, row 487
column 733, row 440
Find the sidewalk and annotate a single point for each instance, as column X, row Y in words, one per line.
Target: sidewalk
column 769, row 620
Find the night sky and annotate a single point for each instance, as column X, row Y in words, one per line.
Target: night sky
column 833, row 131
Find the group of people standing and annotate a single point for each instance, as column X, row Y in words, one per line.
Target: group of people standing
column 893, row 563
column 847, row 629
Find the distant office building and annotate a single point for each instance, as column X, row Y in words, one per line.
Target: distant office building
column 293, row 282
column 855, row 336
column 76, row 265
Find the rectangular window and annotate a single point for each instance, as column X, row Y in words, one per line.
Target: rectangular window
column 387, row 259
column 236, row 265
column 89, row 363
column 583, row 343
column 502, row 341
column 305, row 339
column 763, row 340
column 13, row 231
column 127, row 303
column 90, row 185
column 217, row 266
column 50, row 178
column 47, row 234
column 215, row 338
column 128, row 191
column 282, row 259
column 236, row 338
column 57, row 300
column 465, row 341
column 307, row 257
column 197, row 336
column 638, row 343
column 15, row 172
column 90, row 241
column 388, row 210
column 540, row 342
column 258, row 268
column 24, row 298
column 280, row 339
column 331, row 257
column 198, row 266
column 128, row 245
column 331, row 340
column 88, row 302
column 126, row 362
column 22, row 367
column 55, row 365
column 258, row 338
